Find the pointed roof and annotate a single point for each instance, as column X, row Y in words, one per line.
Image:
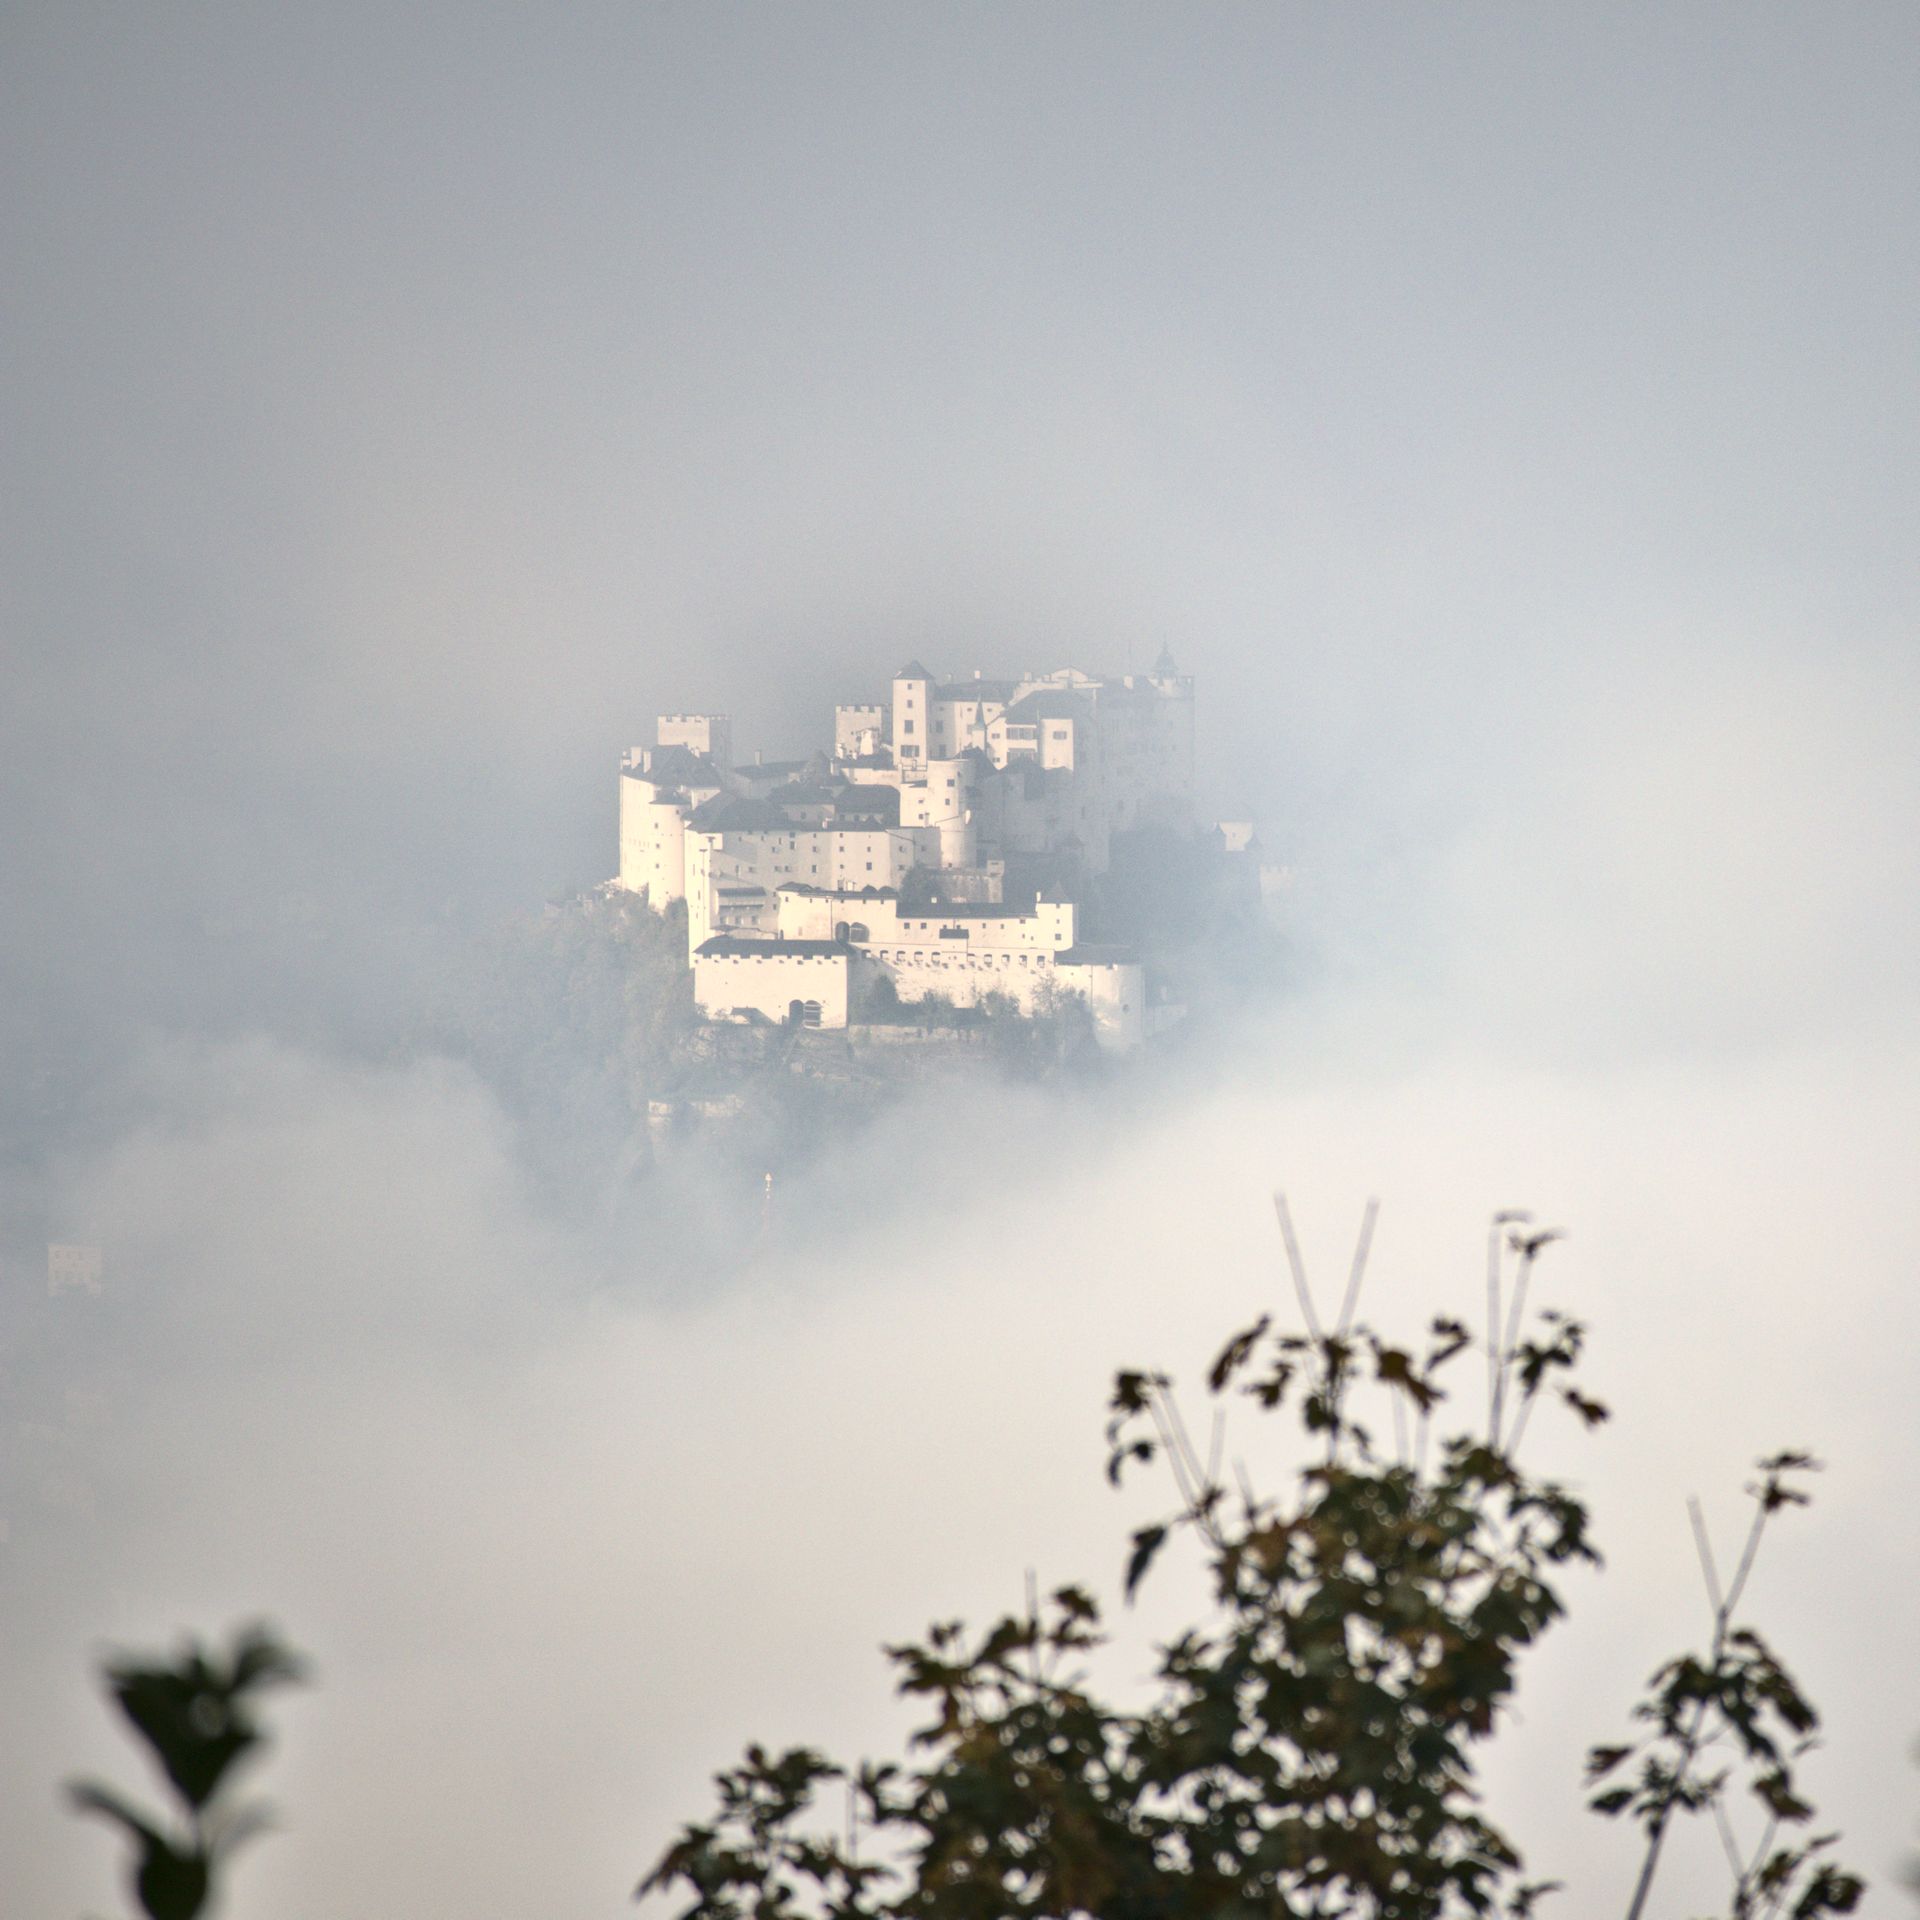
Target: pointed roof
column 913, row 670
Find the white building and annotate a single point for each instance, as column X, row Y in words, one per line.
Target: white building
column 74, row 1267
column 739, row 853
column 802, row 982
column 956, row 792
column 973, row 954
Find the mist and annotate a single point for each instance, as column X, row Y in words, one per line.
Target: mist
column 1510, row 422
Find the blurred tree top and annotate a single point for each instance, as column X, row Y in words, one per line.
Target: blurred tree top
column 1308, row 1747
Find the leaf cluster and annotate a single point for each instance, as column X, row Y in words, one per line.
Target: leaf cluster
column 195, row 1716
column 1306, row 1748
column 1732, row 1714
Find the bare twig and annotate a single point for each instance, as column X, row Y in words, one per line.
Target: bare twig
column 1245, row 1484
column 1708, row 1572
column 1745, row 1567
column 1732, row 1850
column 1496, row 1371
column 1297, row 1267
column 1170, row 1447
column 1201, row 1478
column 1033, row 1629
column 1359, row 1272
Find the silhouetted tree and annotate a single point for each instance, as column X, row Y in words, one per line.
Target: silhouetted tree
column 1309, row 1745
column 195, row 1716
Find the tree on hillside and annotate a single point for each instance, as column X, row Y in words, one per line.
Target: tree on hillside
column 1308, row 1749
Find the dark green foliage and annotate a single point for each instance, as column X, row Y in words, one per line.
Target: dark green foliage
column 1308, row 1747
column 195, row 1717
column 580, row 1009
column 1058, row 1037
column 1735, row 1699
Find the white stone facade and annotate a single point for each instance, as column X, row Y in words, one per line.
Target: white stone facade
column 800, row 983
column 941, row 790
column 972, row 955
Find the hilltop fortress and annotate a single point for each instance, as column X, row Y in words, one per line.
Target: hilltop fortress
column 945, row 847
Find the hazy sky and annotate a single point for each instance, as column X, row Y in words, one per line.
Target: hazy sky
column 1510, row 417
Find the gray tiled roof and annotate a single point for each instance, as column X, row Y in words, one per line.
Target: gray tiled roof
column 724, row 945
column 976, row 690
column 678, row 767
column 1097, row 956
column 730, row 813
column 1049, row 703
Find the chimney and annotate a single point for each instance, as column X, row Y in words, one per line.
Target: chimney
column 759, row 756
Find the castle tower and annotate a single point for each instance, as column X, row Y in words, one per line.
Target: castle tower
column 707, row 733
column 912, row 716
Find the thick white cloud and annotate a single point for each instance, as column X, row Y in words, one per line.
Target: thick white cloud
column 559, row 1551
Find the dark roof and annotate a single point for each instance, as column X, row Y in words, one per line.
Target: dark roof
column 977, row 690
column 770, row 770
column 730, row 813
column 804, row 793
column 913, row 670
column 1031, row 775
column 677, row 767
column 1048, row 703
column 874, row 803
column 881, row 759
column 838, row 893
column 1097, row 956
column 723, row 944
column 967, row 910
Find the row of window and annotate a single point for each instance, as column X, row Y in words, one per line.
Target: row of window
column 968, row 962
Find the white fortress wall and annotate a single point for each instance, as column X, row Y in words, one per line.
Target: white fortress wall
column 856, row 775
column 945, row 802
column 705, row 733
column 965, row 953
column 653, row 825
column 773, row 978
column 859, row 732
column 1116, row 992
column 810, row 913
column 840, row 858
